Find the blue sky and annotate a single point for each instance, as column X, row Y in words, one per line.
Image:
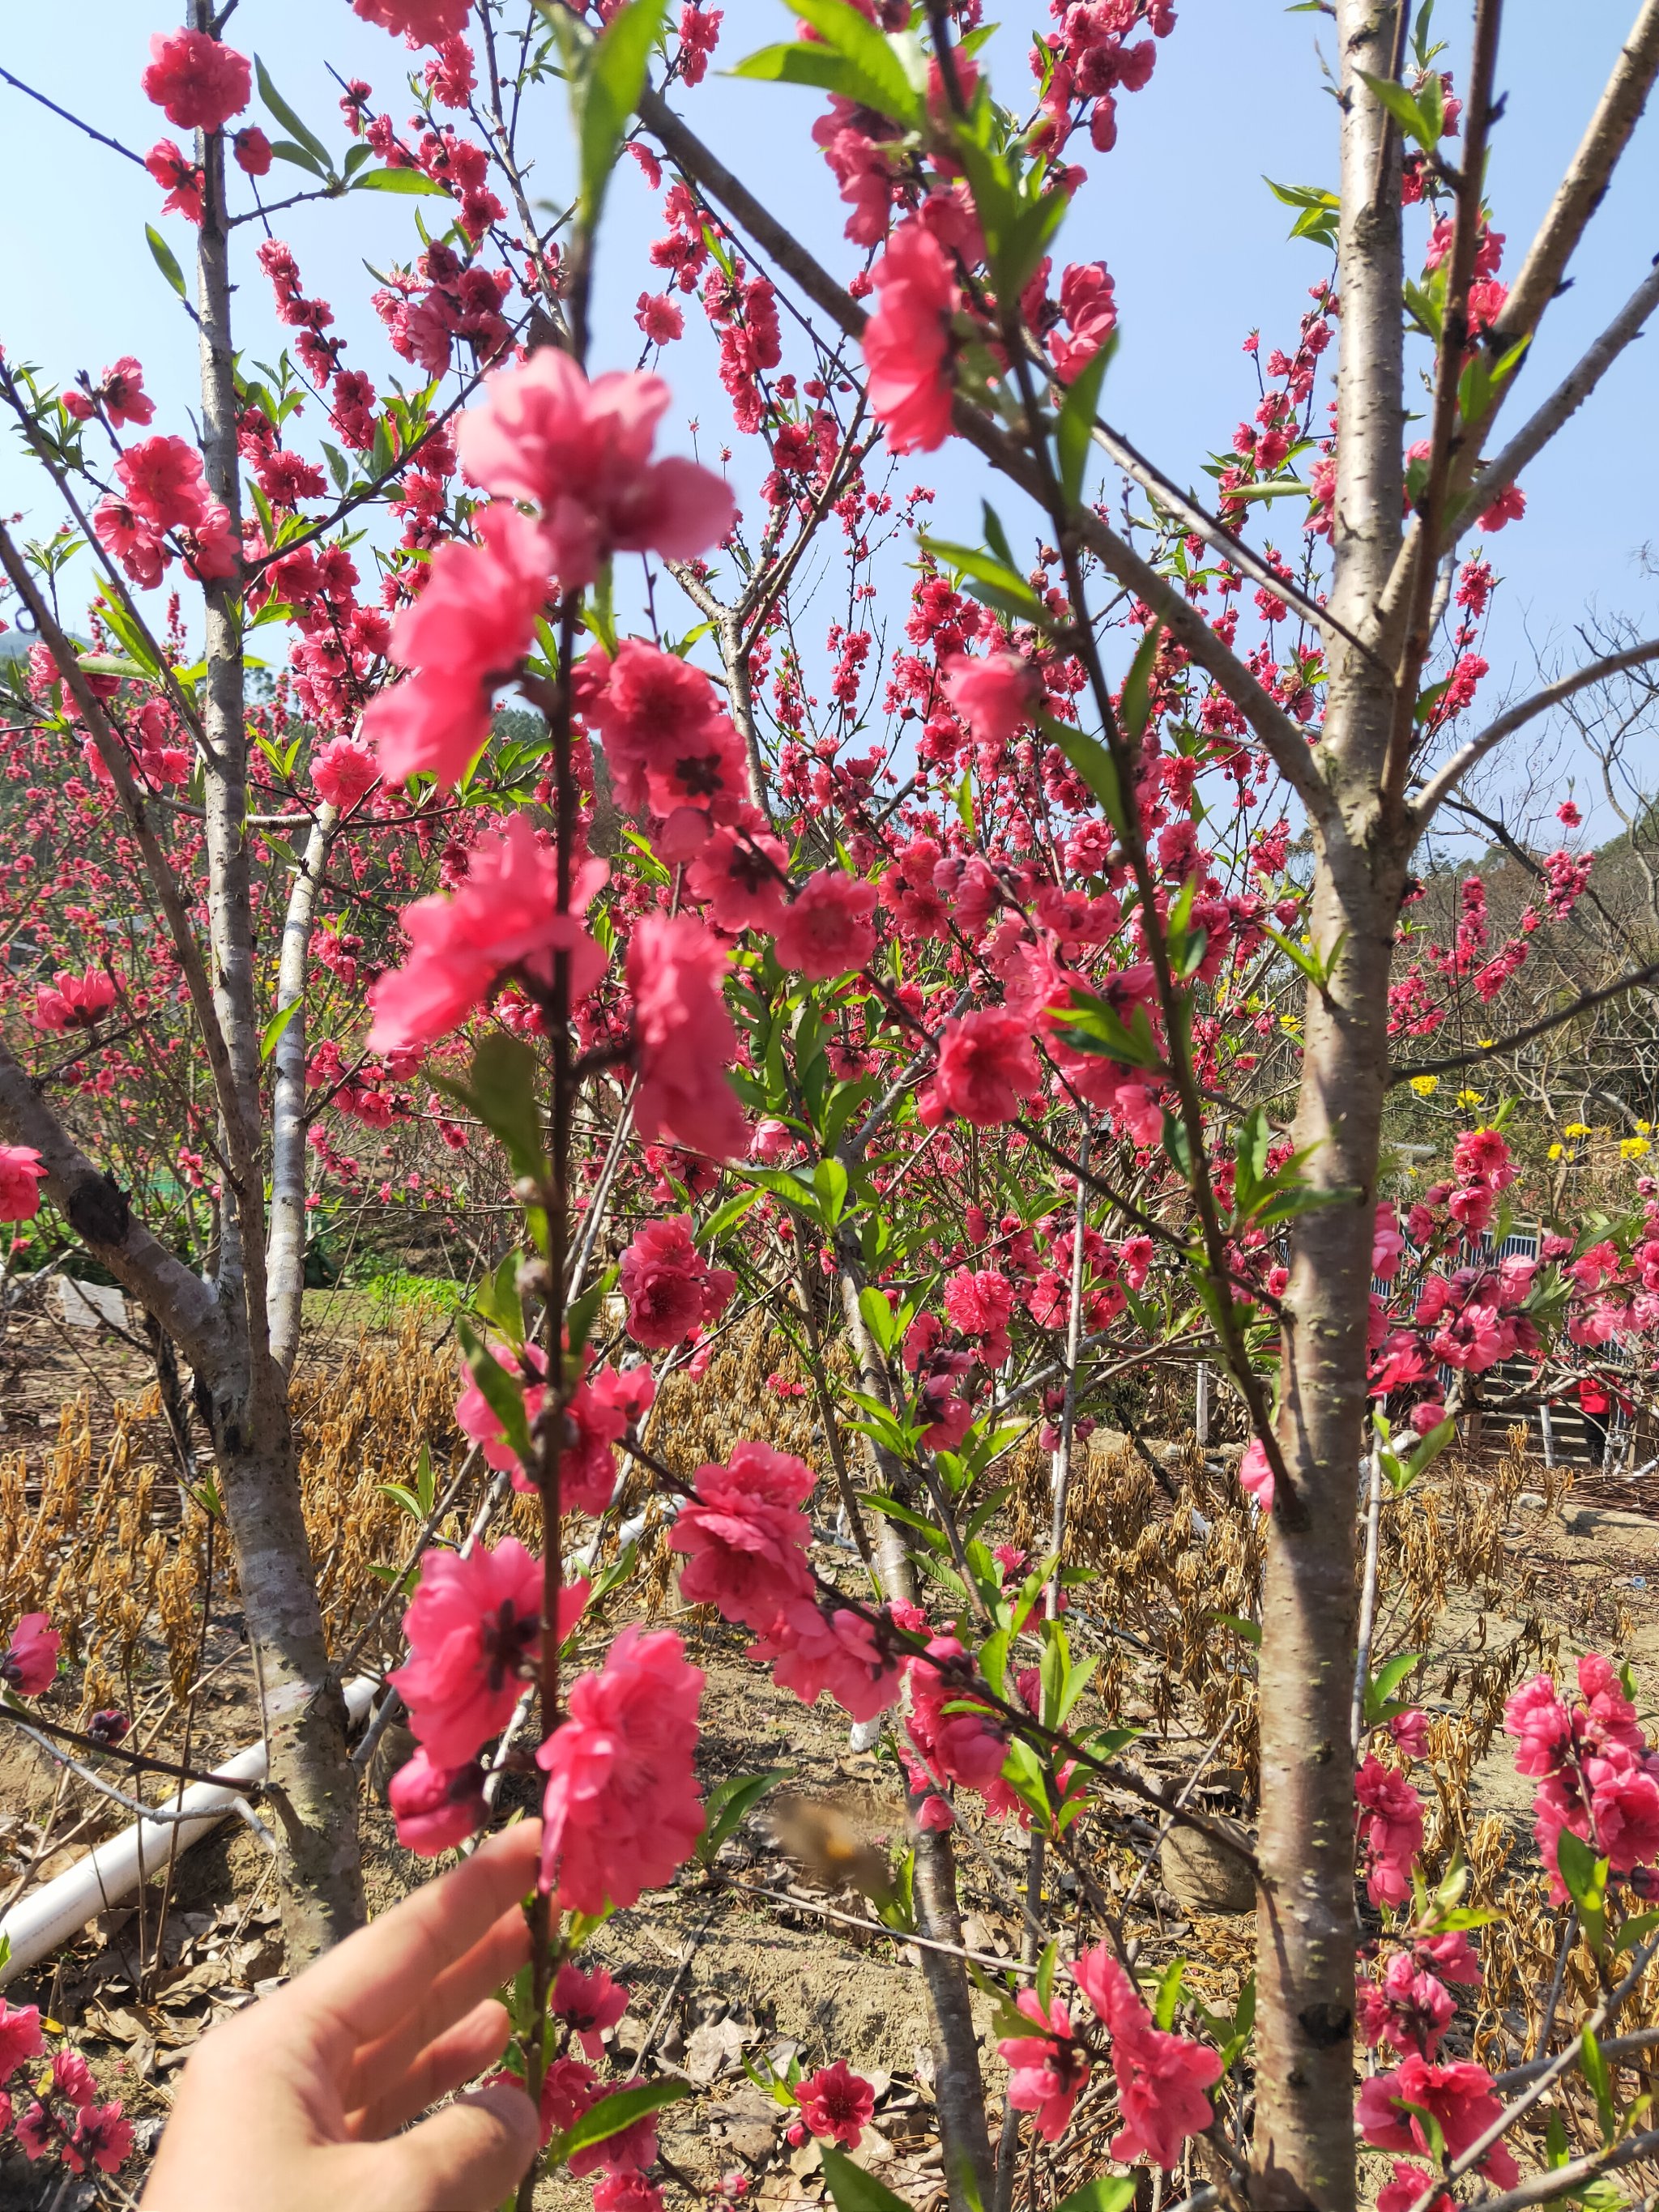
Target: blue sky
column 1194, row 240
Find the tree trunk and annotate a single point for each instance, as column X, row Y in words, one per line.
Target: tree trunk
column 314, row 1785
column 1304, row 2150
column 958, row 2083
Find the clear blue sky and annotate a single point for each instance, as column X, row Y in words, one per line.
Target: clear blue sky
column 1194, row 240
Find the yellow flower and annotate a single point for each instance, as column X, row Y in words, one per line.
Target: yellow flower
column 1556, row 1151
column 1426, row 1086
column 1485, row 1043
column 1634, row 1147
column 1470, row 1098
column 1576, row 1129
column 1645, row 1128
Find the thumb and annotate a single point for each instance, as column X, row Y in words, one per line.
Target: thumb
column 467, row 2157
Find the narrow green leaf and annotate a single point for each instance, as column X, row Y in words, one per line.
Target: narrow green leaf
column 413, row 184
column 1074, row 428
column 1137, row 688
column 289, row 121
column 164, row 259
column 609, row 91
column 276, row 1024
column 855, row 2191
column 855, row 35
column 611, row 2114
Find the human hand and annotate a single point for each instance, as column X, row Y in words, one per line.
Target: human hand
column 294, row 2105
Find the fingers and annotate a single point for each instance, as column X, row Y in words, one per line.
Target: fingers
column 361, row 1990
column 465, row 2159
column 379, row 2067
column 451, row 2058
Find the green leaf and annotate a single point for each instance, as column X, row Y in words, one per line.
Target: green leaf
column 1073, row 431
column 807, row 61
column 993, row 580
column 1404, row 108
column 1169, row 1994
column 729, row 1802
column 608, row 91
column 879, row 1317
column 829, row 1181
column 1586, row 1878
column 284, row 150
column 289, row 121
column 727, row 1216
column 276, row 1024
column 1383, row 1684
column 503, row 1393
column 1635, row 1932
column 502, row 1087
column 498, row 1302
column 1138, row 687
column 611, row 2114
column 1248, row 1630
column 855, row 2191
column 164, row 259
column 1094, row 1025
column 1093, row 763
column 896, row 88
column 1599, row 2078
column 413, row 184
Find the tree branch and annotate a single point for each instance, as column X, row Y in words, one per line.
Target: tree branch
column 1580, row 191
column 1447, row 778
column 1562, row 404
column 100, row 1217
column 1499, row 1045
column 1281, row 738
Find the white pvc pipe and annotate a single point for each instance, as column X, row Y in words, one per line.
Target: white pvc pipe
column 48, row 1916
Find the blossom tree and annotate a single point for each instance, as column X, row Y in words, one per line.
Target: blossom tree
column 984, row 1086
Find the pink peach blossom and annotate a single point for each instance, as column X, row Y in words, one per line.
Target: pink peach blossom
column 622, row 1810
column 503, row 921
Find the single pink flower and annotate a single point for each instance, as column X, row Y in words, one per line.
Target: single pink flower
column 683, row 1038
column 101, row 2137
column 420, row 22
column 473, row 1627
column 1394, row 1830
column 670, row 1288
column 504, row 920
column 179, row 178
column 122, row 390
column 739, row 875
column 1255, row 1475
column 1046, row 2071
column 31, row 1661
column 837, row 2104
column 1459, row 2097
column 588, row 2003
column 436, row 1807
column 196, row 82
column 987, row 1065
column 994, row 695
column 621, row 1811
column 1407, row 2188
column 581, row 452
column 252, row 150
column 471, row 626
column 826, row 929
column 813, row 1645
column 907, row 341
column 20, row 2038
column 1161, row 2078
column 343, row 772
column 163, row 482
column 745, row 1535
